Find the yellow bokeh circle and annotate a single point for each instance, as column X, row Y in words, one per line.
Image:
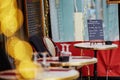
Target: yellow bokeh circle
column 23, row 51
column 5, row 3
column 11, row 42
column 27, row 69
column 18, row 49
column 9, row 10
column 9, row 25
column 9, row 18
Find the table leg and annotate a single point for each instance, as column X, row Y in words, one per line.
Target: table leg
column 80, row 73
column 95, row 66
column 80, row 77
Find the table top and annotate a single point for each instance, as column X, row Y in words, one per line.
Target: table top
column 74, row 61
column 51, row 74
column 97, row 46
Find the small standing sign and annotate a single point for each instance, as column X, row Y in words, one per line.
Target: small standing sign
column 95, row 30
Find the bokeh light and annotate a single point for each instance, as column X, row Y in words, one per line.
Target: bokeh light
column 11, row 20
column 28, row 69
column 5, row 3
column 19, row 49
column 9, row 26
column 11, row 42
column 11, row 17
column 23, row 51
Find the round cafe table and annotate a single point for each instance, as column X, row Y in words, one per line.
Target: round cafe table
column 51, row 74
column 75, row 61
column 78, row 61
column 95, row 47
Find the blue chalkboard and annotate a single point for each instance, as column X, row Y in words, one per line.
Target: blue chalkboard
column 95, row 30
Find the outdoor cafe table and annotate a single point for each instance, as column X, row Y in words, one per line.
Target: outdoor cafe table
column 95, row 47
column 51, row 74
column 75, row 62
column 78, row 61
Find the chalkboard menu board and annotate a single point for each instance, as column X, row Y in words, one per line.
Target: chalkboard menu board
column 33, row 16
column 95, row 30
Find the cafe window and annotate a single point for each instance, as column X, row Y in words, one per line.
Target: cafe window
column 63, row 20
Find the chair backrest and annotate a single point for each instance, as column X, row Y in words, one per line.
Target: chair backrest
column 50, row 46
column 38, row 44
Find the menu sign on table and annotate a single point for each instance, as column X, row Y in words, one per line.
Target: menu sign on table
column 95, row 30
